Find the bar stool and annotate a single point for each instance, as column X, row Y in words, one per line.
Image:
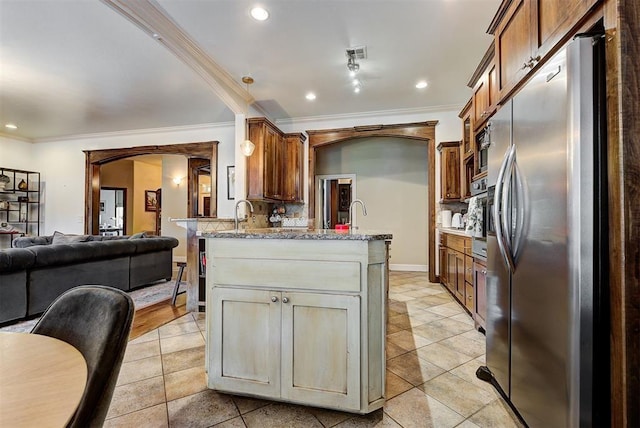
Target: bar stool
column 175, row 293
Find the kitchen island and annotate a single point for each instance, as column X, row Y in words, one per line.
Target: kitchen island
column 298, row 315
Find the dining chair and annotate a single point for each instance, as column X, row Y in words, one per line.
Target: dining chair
column 96, row 320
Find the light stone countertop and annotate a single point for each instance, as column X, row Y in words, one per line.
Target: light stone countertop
column 301, row 233
column 453, row 231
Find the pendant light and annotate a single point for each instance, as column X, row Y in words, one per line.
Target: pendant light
column 247, row 147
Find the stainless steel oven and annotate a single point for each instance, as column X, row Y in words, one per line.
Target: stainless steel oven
column 479, row 243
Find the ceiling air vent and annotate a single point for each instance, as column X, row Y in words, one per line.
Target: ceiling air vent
column 359, row 52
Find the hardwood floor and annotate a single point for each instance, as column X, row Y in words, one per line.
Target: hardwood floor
column 152, row 317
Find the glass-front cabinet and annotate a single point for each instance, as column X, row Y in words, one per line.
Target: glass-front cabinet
column 19, row 204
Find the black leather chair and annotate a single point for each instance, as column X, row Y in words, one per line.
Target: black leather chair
column 96, row 320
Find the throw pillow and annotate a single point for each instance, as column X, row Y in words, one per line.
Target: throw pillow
column 138, row 235
column 61, row 238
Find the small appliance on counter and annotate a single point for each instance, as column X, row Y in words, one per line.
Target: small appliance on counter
column 446, row 218
column 456, row 221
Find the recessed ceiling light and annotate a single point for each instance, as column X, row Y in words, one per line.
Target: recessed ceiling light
column 356, row 89
column 421, row 84
column 310, row 96
column 259, row 14
column 11, row 126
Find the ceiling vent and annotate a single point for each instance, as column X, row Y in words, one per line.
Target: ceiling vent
column 359, row 52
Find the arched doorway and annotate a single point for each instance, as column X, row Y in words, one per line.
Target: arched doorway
column 94, row 159
column 422, row 131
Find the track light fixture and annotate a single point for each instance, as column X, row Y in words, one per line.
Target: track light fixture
column 352, row 65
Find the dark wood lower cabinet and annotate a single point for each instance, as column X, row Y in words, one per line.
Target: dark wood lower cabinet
column 456, row 268
column 480, row 281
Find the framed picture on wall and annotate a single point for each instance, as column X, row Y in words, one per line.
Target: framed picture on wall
column 150, row 200
column 231, row 182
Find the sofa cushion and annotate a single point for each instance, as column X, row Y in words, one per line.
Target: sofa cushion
column 62, row 254
column 13, row 259
column 61, row 238
column 28, row 241
column 154, row 243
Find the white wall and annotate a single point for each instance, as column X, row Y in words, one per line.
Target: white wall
column 391, row 180
column 16, row 154
column 449, row 128
column 174, row 201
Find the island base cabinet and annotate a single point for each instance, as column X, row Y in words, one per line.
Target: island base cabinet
column 320, row 360
column 298, row 320
column 296, row 346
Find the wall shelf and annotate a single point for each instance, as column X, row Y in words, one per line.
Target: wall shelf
column 19, row 205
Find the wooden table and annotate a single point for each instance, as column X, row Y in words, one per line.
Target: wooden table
column 41, row 380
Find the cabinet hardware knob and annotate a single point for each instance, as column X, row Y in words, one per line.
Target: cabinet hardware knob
column 484, row 271
column 285, row 300
column 274, row 299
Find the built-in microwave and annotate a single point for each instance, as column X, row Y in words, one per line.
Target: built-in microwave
column 483, row 140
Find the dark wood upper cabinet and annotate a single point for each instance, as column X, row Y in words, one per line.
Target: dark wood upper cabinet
column 450, row 171
column 293, row 176
column 526, row 31
column 275, row 169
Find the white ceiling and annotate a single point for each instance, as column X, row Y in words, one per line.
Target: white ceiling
column 70, row 67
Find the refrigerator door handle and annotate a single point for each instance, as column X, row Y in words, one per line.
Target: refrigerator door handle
column 506, row 200
column 497, row 199
column 520, row 210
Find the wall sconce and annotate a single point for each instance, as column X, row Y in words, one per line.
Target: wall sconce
column 247, row 147
column 177, row 181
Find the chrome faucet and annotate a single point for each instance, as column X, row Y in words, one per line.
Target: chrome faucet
column 236, row 211
column 364, row 212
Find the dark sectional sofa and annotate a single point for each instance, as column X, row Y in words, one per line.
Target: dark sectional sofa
column 37, row 270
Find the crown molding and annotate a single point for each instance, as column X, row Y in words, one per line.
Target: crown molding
column 200, row 127
column 16, row 137
column 369, row 114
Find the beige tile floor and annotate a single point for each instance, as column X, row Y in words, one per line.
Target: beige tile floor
column 433, row 352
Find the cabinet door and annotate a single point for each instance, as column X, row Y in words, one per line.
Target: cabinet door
column 451, row 272
column 273, row 164
column 450, row 173
column 514, row 45
column 294, row 169
column 555, row 19
column 480, row 101
column 443, row 265
column 460, row 276
column 321, row 349
column 244, row 330
column 479, row 283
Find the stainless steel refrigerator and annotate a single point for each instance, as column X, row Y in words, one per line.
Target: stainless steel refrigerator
column 547, row 320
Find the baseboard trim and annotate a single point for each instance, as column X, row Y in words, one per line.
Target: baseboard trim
column 409, row 268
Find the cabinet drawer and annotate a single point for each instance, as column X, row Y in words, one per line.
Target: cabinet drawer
column 459, row 243
column 468, row 296
column 291, row 274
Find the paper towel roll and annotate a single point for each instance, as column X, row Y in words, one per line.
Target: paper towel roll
column 445, row 215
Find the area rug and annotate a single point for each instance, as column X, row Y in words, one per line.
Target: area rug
column 141, row 298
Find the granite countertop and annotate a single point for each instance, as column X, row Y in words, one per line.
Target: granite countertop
column 453, row 231
column 205, row 219
column 301, row 233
